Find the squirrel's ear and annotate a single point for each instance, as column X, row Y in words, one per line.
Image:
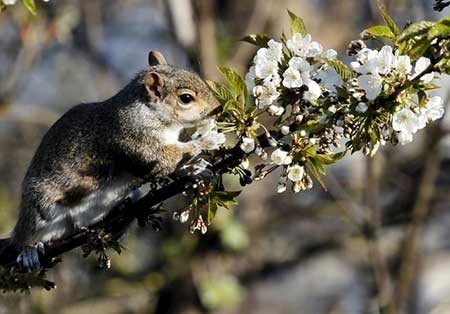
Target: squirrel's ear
column 154, row 84
column 156, row 58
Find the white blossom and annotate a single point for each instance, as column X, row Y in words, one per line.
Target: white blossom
column 275, row 50
column 212, row 140
column 204, row 127
column 275, row 110
column 265, row 68
column 250, row 78
column 406, row 122
column 303, row 46
column 265, row 95
column 421, row 65
column 314, row 90
column 404, row 137
column 434, row 108
column 292, row 78
column 9, row 2
column 371, row 84
column 361, row 107
column 296, row 173
column 267, row 59
column 247, row 145
column 403, row 64
column 208, row 136
column 285, row 130
column 385, row 60
column 367, row 61
column 300, row 64
column 280, row 157
column 330, row 54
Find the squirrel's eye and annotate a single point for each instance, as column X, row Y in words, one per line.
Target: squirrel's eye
column 186, row 98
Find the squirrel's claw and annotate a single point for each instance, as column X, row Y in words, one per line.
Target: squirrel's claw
column 199, row 169
column 28, row 259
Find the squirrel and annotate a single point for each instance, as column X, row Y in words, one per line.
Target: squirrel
column 97, row 154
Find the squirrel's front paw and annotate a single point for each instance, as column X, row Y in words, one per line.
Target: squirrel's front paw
column 28, row 259
column 199, row 169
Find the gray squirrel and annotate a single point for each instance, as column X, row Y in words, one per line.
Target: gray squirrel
column 96, row 154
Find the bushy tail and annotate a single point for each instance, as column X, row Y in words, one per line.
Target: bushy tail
column 8, row 251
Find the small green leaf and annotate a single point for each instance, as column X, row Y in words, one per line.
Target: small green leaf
column 259, row 40
column 387, row 19
column 223, row 94
column 381, row 31
column 297, row 24
column 341, row 69
column 439, row 30
column 225, row 199
column 414, row 30
column 31, row 6
column 418, row 49
column 316, row 169
column 236, row 82
column 330, row 158
column 212, row 210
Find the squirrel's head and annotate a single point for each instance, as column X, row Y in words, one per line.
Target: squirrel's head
column 178, row 94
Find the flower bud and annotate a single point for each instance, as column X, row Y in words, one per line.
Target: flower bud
column 285, row 130
column 355, row 46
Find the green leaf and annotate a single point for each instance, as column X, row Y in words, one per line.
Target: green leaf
column 341, row 69
column 225, row 199
column 31, row 6
column 236, row 82
column 316, row 169
column 222, row 93
column 297, row 24
column 387, row 19
column 439, row 30
column 330, row 158
column 259, row 40
column 212, row 210
column 381, row 31
column 418, row 49
column 414, row 30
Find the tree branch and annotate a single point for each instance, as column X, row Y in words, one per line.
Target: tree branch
column 123, row 215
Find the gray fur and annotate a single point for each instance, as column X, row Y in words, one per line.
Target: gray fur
column 98, row 153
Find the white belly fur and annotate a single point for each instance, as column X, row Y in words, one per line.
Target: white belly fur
column 90, row 210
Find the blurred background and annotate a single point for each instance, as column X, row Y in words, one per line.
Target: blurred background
column 379, row 235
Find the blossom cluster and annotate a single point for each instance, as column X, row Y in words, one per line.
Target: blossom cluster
column 384, row 100
column 272, row 71
column 285, row 82
column 380, row 71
